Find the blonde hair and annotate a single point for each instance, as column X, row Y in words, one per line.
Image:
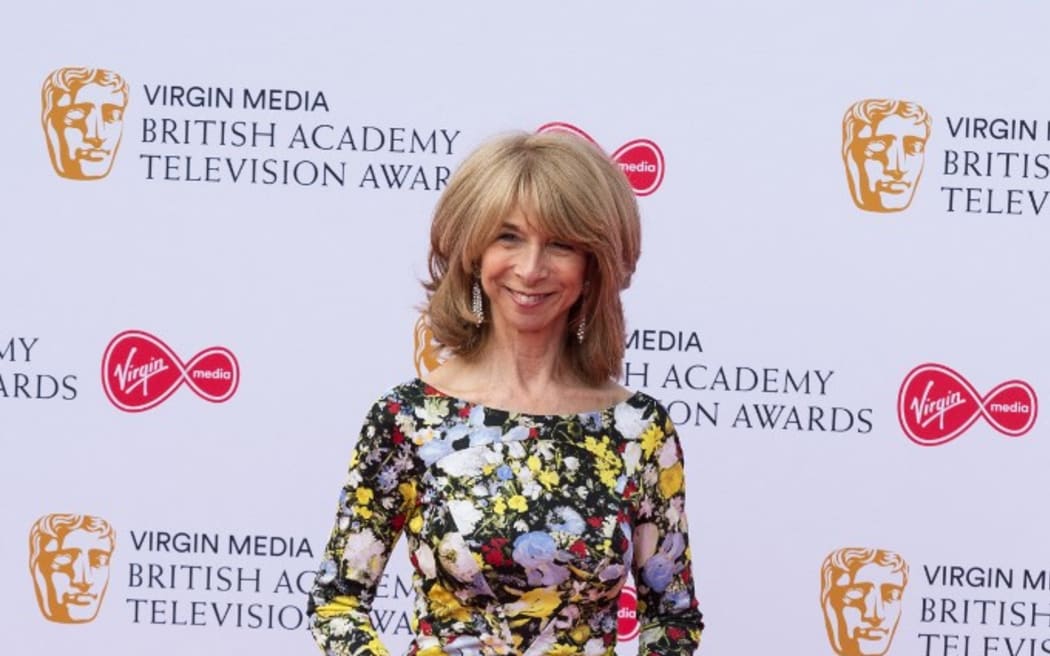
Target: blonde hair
column 569, row 189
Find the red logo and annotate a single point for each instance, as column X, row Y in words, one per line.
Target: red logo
column 140, row 372
column 935, row 405
column 641, row 160
column 627, row 616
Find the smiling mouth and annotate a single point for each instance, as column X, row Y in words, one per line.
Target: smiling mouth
column 528, row 300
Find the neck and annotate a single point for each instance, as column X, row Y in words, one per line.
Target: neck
column 526, row 362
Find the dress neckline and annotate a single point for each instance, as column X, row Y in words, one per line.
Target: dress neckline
column 430, row 390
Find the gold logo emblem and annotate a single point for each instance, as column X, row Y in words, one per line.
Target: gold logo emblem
column 884, row 149
column 69, row 562
column 83, row 118
column 426, row 352
column 860, row 594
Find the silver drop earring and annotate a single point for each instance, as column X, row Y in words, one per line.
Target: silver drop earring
column 476, row 306
column 581, row 330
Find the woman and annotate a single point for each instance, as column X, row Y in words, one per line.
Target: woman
column 528, row 482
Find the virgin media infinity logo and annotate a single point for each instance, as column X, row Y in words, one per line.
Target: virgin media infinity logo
column 641, row 160
column 139, row 372
column 935, row 405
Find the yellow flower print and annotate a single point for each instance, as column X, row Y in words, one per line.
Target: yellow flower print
column 431, row 650
column 651, row 439
column 537, row 602
column 499, row 506
column 580, row 633
column 338, row 606
column 445, row 604
column 534, row 463
column 364, row 495
column 408, row 493
column 671, row 480
column 415, row 525
column 363, row 511
column 548, row 478
column 562, row 650
column 518, row 502
column 376, row 647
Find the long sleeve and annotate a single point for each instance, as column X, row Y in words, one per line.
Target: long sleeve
column 670, row 621
column 375, row 503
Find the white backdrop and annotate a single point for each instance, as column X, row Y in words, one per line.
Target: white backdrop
column 753, row 250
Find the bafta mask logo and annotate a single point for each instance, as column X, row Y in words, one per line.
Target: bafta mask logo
column 884, row 149
column 69, row 562
column 83, row 118
column 426, row 352
column 860, row 594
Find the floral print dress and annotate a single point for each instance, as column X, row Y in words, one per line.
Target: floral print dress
column 521, row 529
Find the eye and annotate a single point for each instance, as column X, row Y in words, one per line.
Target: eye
column 914, row 145
column 562, row 246
column 61, row 561
column 891, row 593
column 508, row 237
column 99, row 559
column 74, row 115
column 853, row 594
column 876, row 147
column 112, row 113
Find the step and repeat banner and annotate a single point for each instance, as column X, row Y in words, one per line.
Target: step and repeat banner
column 215, row 224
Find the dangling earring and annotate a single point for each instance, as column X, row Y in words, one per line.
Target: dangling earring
column 581, row 328
column 476, row 306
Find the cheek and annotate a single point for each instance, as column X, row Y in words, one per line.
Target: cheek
column 873, row 169
column 73, row 138
column 850, row 616
column 60, row 581
column 915, row 163
column 112, row 130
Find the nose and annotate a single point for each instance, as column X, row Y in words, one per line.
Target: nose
column 895, row 159
column 93, row 129
column 83, row 577
column 531, row 266
column 874, row 612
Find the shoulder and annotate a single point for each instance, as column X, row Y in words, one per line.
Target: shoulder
column 409, row 392
column 652, row 407
column 397, row 400
column 641, row 413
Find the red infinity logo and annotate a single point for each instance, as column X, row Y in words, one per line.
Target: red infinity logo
column 627, row 625
column 935, row 405
column 140, row 372
column 641, row 160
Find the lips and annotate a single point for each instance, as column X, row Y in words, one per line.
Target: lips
column 80, row 599
column 897, row 187
column 527, row 300
column 872, row 634
column 93, row 154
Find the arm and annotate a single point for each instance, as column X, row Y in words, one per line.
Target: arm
column 379, row 494
column 667, row 610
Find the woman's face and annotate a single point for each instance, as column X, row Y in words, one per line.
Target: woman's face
column 531, row 280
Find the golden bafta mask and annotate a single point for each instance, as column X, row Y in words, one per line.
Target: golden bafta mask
column 884, row 149
column 426, row 352
column 69, row 561
column 83, row 118
column 860, row 594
